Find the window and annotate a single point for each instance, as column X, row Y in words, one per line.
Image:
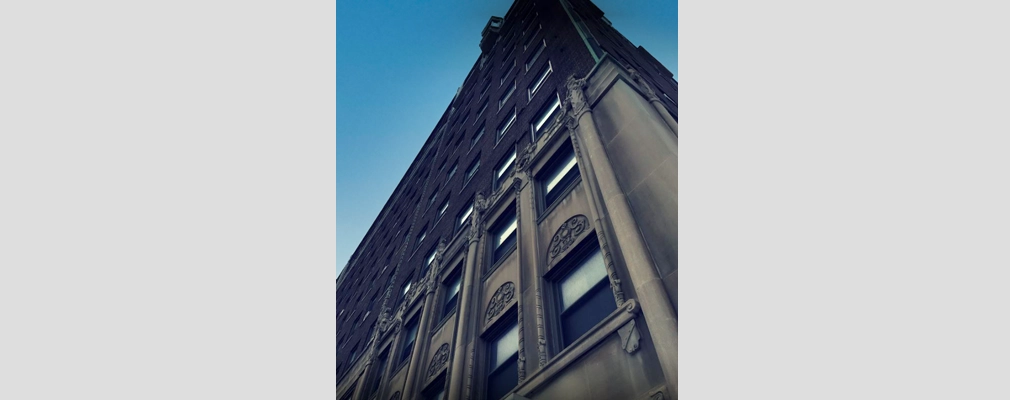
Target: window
column 354, row 355
column 505, row 97
column 408, row 340
column 507, row 73
column 504, row 127
column 406, row 288
column 487, row 85
column 472, row 170
column 429, row 259
column 441, row 210
column 436, row 391
column 464, row 217
column 477, row 136
column 541, row 78
column 377, row 379
column 530, row 36
column 452, row 171
column 420, row 237
column 481, row 112
column 503, row 235
column 533, row 58
column 559, row 173
column 451, row 293
column 584, row 294
column 431, row 200
column 503, row 354
column 501, row 172
column 553, row 105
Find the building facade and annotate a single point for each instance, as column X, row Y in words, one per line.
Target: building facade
column 530, row 250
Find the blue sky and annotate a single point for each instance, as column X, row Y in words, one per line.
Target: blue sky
column 398, row 66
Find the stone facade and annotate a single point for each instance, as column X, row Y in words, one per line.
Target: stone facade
column 399, row 336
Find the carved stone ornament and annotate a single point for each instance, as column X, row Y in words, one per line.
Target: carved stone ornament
column 524, row 158
column 440, row 251
column 502, row 297
column 566, row 235
column 649, row 93
column 629, row 336
column 577, row 104
column 439, row 360
column 395, row 396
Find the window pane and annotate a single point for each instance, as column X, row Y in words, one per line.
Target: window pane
column 505, row 166
column 466, row 214
column 431, row 257
column 553, row 180
column 504, row 347
column 555, row 104
column 503, row 379
column 505, row 232
column 583, row 278
column 593, row 308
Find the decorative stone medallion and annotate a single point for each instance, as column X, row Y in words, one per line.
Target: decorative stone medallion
column 502, row 297
column 566, row 235
column 439, row 360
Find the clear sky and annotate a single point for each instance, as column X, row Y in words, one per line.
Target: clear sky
column 399, row 64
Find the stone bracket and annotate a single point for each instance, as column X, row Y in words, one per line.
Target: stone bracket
column 629, row 336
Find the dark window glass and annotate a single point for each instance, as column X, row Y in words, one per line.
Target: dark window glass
column 436, row 391
column 377, row 379
column 451, row 294
column 503, row 234
column 464, row 216
column 503, row 354
column 470, row 172
column 408, row 340
column 559, row 173
column 584, row 295
column 503, row 169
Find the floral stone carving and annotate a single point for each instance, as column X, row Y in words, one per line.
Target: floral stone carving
column 502, row 297
column 566, row 235
column 439, row 360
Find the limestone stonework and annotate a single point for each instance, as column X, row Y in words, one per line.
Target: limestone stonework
column 402, row 325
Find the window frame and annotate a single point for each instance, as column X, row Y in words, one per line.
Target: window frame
column 544, row 115
column 463, row 218
column 556, row 162
column 495, row 336
column 508, row 162
column 585, row 250
column 501, row 131
column 472, row 170
column 407, row 348
column 541, row 79
column 530, row 62
column 507, row 96
column 499, row 251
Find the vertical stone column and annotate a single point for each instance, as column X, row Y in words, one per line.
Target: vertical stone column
column 418, row 355
column 654, row 100
column 657, row 309
column 466, row 302
column 529, row 267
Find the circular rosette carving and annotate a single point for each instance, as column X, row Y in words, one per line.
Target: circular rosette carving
column 439, row 360
column 502, row 297
column 566, row 235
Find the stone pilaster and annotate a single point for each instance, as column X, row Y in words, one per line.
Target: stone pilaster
column 657, row 309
